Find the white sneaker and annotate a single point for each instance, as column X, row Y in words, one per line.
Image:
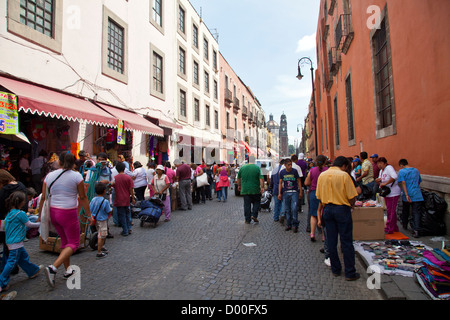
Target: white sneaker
column 50, row 276
column 327, row 262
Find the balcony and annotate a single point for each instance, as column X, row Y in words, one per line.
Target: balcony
column 334, row 61
column 244, row 112
column 344, row 33
column 250, row 118
column 236, row 106
column 228, row 98
column 331, row 8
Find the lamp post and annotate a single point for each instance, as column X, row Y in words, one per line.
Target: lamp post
column 300, row 77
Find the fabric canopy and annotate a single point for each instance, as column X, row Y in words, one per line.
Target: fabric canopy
column 132, row 121
column 50, row 103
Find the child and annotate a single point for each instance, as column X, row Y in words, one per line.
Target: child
column 16, row 224
column 101, row 210
column 124, row 191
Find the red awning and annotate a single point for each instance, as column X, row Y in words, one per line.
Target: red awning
column 165, row 123
column 132, row 121
column 50, row 103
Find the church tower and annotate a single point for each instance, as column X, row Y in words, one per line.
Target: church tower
column 284, row 143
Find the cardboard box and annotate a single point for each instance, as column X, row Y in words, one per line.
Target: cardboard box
column 53, row 244
column 368, row 223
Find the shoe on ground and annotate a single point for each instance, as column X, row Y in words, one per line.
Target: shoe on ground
column 255, row 219
column 103, row 249
column 355, row 277
column 101, row 255
column 9, row 296
column 288, row 228
column 327, row 262
column 50, row 276
column 295, row 229
column 67, row 275
column 37, row 272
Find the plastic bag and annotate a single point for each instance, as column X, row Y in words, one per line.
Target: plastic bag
column 46, row 224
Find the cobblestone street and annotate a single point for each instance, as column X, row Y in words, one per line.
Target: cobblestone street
column 201, row 254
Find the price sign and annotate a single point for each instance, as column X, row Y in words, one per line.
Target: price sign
column 9, row 115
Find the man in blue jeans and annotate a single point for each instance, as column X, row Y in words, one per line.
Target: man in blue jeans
column 409, row 179
column 290, row 189
column 274, row 183
column 337, row 193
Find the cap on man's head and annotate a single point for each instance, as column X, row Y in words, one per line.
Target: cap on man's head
column 301, row 156
column 374, row 155
column 177, row 162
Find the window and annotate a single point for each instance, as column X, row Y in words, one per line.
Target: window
column 206, row 82
column 182, row 103
column 196, row 80
column 215, row 60
column 207, row 116
column 114, row 42
column 196, row 110
column 182, row 61
column 38, row 15
column 205, row 49
column 157, row 12
column 195, row 36
column 157, row 73
column 216, row 119
column 38, row 21
column 383, row 78
column 336, row 122
column 349, row 102
column 216, row 90
column 115, row 46
column 181, row 19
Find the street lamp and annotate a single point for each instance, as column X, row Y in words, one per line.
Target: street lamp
column 300, row 77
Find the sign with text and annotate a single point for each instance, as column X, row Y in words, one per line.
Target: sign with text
column 9, row 115
column 121, row 133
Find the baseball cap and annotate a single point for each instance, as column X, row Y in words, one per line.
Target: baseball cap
column 374, row 155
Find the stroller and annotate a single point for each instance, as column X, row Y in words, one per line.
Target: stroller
column 151, row 211
column 266, row 199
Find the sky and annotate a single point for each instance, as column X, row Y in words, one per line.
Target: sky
column 263, row 41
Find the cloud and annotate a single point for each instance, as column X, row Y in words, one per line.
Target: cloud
column 306, row 43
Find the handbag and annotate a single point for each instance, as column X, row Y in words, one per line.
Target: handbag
column 94, row 218
column 385, row 190
column 202, row 180
column 46, row 224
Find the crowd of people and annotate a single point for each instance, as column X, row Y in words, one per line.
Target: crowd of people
column 55, row 189
column 331, row 189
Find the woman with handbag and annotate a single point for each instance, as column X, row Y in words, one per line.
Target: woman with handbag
column 160, row 185
column 388, row 178
column 61, row 191
column 200, row 179
column 224, row 183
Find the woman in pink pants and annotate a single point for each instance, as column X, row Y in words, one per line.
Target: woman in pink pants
column 388, row 177
column 64, row 187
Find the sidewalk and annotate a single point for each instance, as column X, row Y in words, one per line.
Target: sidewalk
column 397, row 287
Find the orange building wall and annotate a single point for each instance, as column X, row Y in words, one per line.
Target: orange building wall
column 420, row 57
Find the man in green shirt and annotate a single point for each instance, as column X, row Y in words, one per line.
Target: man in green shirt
column 251, row 185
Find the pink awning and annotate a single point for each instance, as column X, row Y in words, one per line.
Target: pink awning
column 50, row 103
column 132, row 121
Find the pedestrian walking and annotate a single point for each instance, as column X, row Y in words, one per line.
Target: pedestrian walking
column 278, row 215
column 140, row 180
column 290, row 190
column 16, row 224
column 124, row 196
column 337, row 194
column 311, row 181
column 183, row 177
column 251, row 185
column 223, row 182
column 388, row 178
column 101, row 211
column 409, row 179
column 160, row 185
column 63, row 188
